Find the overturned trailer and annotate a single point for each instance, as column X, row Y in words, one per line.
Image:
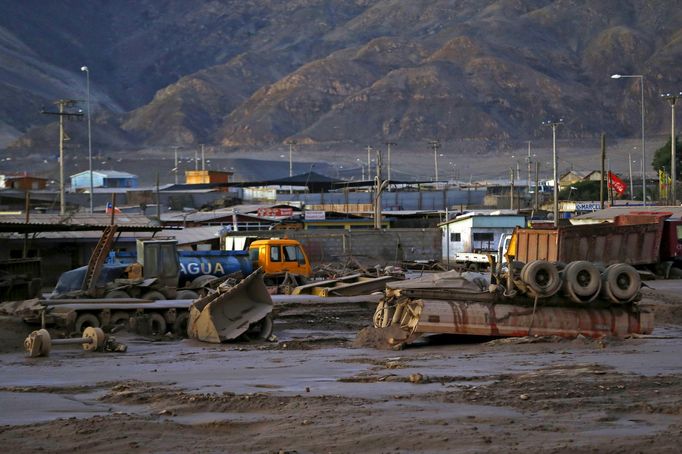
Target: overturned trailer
column 538, row 299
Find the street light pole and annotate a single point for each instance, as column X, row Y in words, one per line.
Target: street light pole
column 641, row 88
column 553, row 125
column 388, row 150
column 369, row 162
column 672, row 99
column 87, row 85
column 435, row 144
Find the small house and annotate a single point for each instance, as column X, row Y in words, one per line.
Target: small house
column 474, row 232
column 103, row 179
column 22, row 182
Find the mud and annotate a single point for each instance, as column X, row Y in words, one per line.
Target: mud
column 321, row 388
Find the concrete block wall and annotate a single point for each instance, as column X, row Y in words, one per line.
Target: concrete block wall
column 369, row 247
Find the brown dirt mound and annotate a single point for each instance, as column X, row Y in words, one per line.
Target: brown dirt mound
column 13, row 331
column 381, row 338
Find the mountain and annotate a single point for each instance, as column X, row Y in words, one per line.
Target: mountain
column 240, row 73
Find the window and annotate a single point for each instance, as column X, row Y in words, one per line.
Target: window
column 274, row 254
column 290, row 253
column 679, row 234
column 484, row 236
column 456, row 237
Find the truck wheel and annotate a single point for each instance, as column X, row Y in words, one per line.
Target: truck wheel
column 157, row 324
column 622, row 282
column 180, row 325
column 382, row 315
column 583, row 279
column 153, row 295
column 85, row 320
column 119, row 318
column 541, row 277
column 117, row 294
column 260, row 330
column 202, row 281
column 187, row 295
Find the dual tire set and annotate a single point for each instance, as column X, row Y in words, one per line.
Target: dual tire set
column 581, row 281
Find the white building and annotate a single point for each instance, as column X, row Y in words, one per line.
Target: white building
column 474, row 232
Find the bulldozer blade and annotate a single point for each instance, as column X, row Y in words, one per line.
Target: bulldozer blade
column 227, row 314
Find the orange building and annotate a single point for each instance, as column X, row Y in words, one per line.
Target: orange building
column 22, row 182
column 206, row 176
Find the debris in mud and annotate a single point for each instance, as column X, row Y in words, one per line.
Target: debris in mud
column 391, row 337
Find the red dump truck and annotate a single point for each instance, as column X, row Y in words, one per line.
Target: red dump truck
column 646, row 240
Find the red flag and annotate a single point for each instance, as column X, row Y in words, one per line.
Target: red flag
column 617, row 184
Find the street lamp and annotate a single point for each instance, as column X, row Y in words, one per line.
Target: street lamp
column 553, row 125
column 641, row 88
column 672, row 99
column 87, row 89
column 435, row 144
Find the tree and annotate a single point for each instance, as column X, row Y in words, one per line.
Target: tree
column 662, row 157
column 584, row 190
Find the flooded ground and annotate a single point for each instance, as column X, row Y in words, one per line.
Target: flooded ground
column 311, row 391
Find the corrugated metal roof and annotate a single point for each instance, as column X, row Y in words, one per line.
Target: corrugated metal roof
column 107, row 174
column 79, row 221
column 609, row 213
column 186, row 236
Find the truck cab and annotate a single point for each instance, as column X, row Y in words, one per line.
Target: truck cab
column 279, row 256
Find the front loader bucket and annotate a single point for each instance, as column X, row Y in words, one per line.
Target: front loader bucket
column 227, row 314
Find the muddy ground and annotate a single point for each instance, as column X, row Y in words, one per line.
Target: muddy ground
column 313, row 391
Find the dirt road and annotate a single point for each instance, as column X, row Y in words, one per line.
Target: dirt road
column 313, row 392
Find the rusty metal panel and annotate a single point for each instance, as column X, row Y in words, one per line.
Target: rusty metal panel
column 635, row 244
column 536, row 244
column 490, row 319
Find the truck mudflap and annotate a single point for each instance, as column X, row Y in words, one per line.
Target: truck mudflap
column 230, row 312
column 428, row 316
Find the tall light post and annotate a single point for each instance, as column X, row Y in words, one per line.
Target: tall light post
column 435, row 144
column 672, row 99
column 87, row 89
column 641, row 89
column 388, row 150
column 553, row 125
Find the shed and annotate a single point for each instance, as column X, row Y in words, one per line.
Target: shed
column 104, row 179
column 473, row 232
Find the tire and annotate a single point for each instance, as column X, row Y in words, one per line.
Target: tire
column 382, row 315
column 260, row 330
column 117, row 294
column 202, row 281
column 180, row 324
column 622, row 282
column 157, row 324
column 542, row 278
column 119, row 318
column 186, row 295
column 153, row 295
column 583, row 279
column 85, row 320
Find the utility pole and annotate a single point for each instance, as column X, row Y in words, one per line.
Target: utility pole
column 632, row 186
column 603, row 171
column 537, row 184
column 175, row 162
column 379, row 187
column 511, row 188
column 63, row 105
column 553, row 125
column 196, row 160
column 369, row 162
column 435, row 144
column 672, row 99
column 529, row 159
column 388, row 150
column 203, row 161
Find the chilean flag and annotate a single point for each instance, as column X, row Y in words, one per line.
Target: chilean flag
column 110, row 208
column 617, row 184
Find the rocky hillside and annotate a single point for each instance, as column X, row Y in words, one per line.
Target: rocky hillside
column 253, row 73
